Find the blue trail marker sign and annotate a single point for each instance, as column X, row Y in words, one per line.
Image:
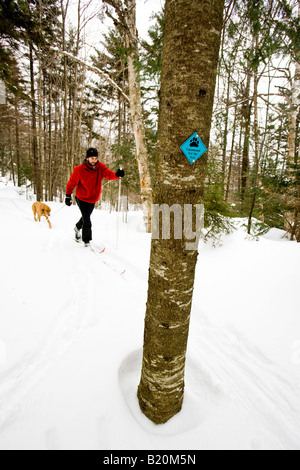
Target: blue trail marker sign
column 193, row 148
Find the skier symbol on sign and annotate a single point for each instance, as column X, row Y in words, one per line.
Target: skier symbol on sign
column 193, row 148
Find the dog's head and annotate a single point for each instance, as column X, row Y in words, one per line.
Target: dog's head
column 45, row 210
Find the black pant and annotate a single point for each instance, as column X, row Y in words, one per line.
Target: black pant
column 85, row 223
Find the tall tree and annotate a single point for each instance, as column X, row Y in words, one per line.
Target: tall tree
column 190, row 57
column 36, row 160
column 294, row 147
column 15, row 22
column 126, row 19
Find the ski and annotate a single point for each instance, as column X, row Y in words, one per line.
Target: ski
column 101, row 251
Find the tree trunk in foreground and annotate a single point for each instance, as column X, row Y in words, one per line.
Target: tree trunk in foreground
column 190, row 58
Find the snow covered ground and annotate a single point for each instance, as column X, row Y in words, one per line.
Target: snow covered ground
column 71, row 334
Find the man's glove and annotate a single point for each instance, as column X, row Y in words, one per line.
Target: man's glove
column 120, row 173
column 68, row 200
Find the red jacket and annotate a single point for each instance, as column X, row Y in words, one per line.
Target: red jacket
column 89, row 181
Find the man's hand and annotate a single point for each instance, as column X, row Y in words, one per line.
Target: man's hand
column 120, row 173
column 68, row 200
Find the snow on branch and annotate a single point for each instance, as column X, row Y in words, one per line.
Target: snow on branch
column 92, row 69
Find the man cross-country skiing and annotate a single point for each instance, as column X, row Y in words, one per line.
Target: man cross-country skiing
column 88, row 178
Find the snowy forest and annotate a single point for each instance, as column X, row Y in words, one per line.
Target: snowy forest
column 59, row 104
column 166, row 318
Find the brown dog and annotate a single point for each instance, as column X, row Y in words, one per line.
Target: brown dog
column 40, row 209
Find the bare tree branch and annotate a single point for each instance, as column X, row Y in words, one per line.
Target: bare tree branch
column 92, row 69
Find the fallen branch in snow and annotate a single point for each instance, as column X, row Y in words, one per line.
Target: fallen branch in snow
column 93, row 69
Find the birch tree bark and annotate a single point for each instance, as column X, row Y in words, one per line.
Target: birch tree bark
column 292, row 143
column 190, row 57
column 292, row 139
column 126, row 13
column 75, row 91
column 294, row 109
column 68, row 169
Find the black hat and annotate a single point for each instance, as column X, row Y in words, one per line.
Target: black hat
column 91, row 153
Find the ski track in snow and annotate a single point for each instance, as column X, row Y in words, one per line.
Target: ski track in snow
column 74, row 317
column 240, row 371
column 16, row 383
column 222, row 364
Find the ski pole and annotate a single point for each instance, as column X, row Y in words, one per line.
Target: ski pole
column 119, row 210
column 119, row 201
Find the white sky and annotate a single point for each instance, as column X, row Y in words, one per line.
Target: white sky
column 145, row 9
column 93, row 32
column 95, row 29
